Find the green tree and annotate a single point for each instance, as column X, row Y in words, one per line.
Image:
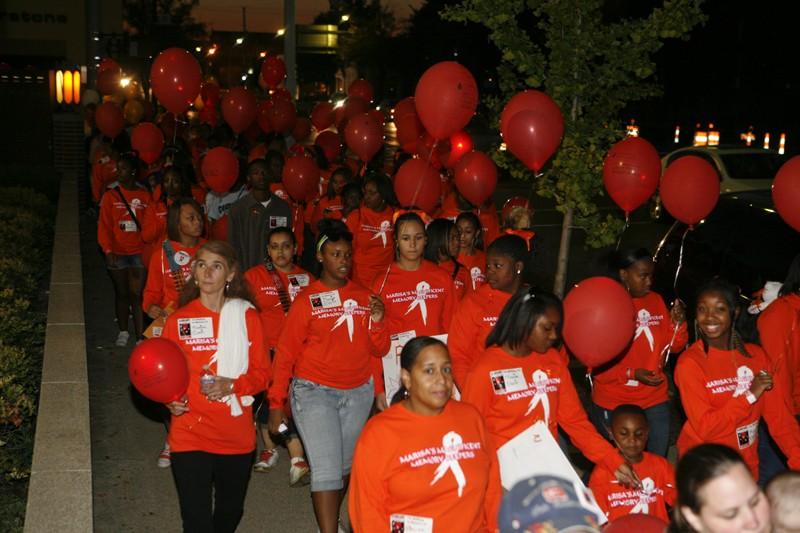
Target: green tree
column 592, row 61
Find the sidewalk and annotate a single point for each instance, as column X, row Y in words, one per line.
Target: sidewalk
column 130, row 492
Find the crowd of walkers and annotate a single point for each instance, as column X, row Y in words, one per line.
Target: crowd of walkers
column 393, row 353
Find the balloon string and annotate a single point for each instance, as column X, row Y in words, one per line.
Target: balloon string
column 363, row 169
column 680, row 261
column 419, row 182
column 626, row 226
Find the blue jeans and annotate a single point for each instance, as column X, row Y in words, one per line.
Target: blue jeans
column 329, row 421
column 658, row 418
column 771, row 460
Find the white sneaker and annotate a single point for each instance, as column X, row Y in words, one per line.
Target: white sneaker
column 122, row 339
column 299, row 472
column 266, row 460
column 164, row 459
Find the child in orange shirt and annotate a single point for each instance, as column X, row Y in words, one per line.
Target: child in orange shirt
column 371, row 226
column 470, row 253
column 426, row 463
column 629, row 430
column 726, row 385
column 442, row 249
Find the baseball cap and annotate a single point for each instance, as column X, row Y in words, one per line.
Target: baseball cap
column 549, row 504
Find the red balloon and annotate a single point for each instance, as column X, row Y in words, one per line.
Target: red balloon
column 175, row 78
column 322, row 116
column 363, row 136
column 273, row 70
column 532, row 100
column 301, row 178
column 405, row 106
column 108, row 81
column 280, row 94
column 257, row 152
column 690, row 189
column 282, row 115
column 220, row 169
column 640, row 523
column 533, row 138
column 262, row 116
column 446, row 98
column 210, row 93
column 108, row 64
column 409, row 131
column 378, row 115
column 355, row 106
column 460, row 144
column 631, row 172
column 157, row 368
column 476, row 177
column 417, row 184
column 301, row 130
column 209, row 115
column 361, row 89
column 599, row 320
column 148, row 141
column 432, row 151
column 109, row 119
column 239, row 109
column 786, row 192
column 330, row 144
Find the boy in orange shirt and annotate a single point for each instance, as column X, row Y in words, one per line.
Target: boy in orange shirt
column 629, row 429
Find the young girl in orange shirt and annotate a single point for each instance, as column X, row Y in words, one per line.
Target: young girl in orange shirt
column 470, row 253
column 426, row 463
column 371, row 226
column 442, row 249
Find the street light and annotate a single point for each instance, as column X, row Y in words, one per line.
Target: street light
column 212, row 50
column 198, row 49
column 345, row 18
column 239, row 40
column 280, row 32
column 124, row 82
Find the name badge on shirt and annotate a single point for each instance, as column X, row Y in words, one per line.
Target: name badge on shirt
column 406, row 523
column 508, row 380
column 127, row 225
column 195, row 328
column 632, row 383
column 278, row 222
column 182, row 258
column 298, row 280
column 324, row 300
column 747, row 435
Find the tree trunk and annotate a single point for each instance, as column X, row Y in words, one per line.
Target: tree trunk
column 560, row 282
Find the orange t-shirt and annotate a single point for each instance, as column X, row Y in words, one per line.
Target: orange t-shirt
column 209, row 426
column 402, row 473
column 490, row 224
column 654, row 331
column 154, row 228
column 460, row 277
column 713, row 390
column 513, row 393
column 326, row 208
column 475, row 265
column 658, row 489
column 373, row 243
column 262, row 286
column 779, row 329
column 477, row 314
column 163, row 286
column 328, row 338
column 116, row 231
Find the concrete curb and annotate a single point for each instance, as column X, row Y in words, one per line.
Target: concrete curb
column 60, row 489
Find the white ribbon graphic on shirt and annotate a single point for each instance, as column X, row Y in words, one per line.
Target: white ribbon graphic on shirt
column 475, row 273
column 643, row 326
column 744, row 378
column 540, row 382
column 451, row 442
column 348, row 308
column 385, row 227
column 643, row 505
column 423, row 288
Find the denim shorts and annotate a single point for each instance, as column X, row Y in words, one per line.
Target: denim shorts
column 329, row 421
column 127, row 261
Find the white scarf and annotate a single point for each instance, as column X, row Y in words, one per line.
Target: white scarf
column 233, row 348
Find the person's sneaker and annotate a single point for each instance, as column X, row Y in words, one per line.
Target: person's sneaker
column 164, row 460
column 299, row 472
column 122, row 339
column 266, row 460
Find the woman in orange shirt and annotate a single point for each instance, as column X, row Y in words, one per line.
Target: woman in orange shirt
column 119, row 234
column 330, row 346
column 726, row 385
column 478, row 311
column 442, row 249
column 371, row 226
column 469, row 253
column 426, row 463
column 521, row 378
column 330, row 204
column 419, row 296
column 211, row 433
column 274, row 286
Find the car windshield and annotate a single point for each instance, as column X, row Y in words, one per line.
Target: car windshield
column 752, row 166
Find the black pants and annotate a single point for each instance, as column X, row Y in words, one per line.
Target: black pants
column 195, row 474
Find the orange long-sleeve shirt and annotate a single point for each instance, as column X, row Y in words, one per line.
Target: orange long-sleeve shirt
column 490, row 224
column 460, row 277
column 116, row 231
column 477, row 314
column 436, row 470
column 654, row 331
column 373, row 242
column 328, row 338
column 162, row 289
column 779, row 329
column 658, row 489
column 475, row 265
column 326, row 208
column 209, row 426
column 513, row 393
column 262, row 286
column 713, row 390
column 154, row 228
